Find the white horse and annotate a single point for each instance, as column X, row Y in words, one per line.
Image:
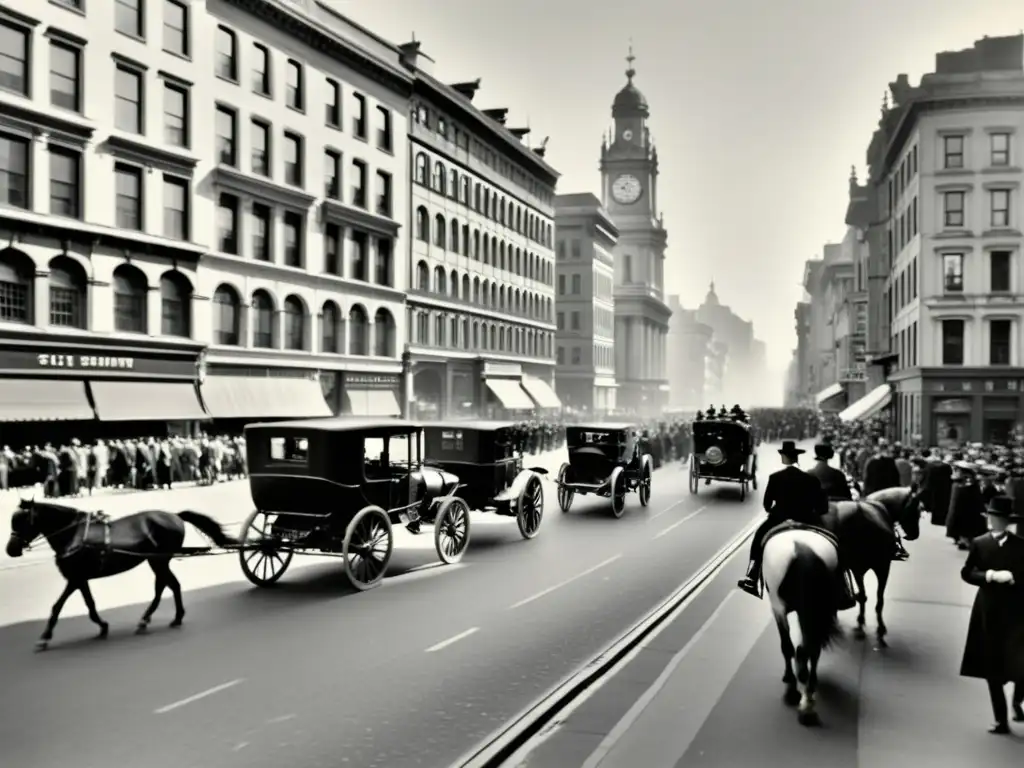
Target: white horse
column 799, row 567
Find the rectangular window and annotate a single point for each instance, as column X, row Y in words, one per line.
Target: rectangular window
column 176, row 208
column 358, row 253
column 953, row 272
column 333, row 106
column 128, row 100
column 561, row 285
column 952, row 342
column 332, row 249
column 359, row 116
column 128, row 184
column 65, row 76
column 577, row 285
column 226, row 60
column 261, row 232
column 261, row 70
column 227, row 147
column 14, row 59
column 176, row 115
column 383, row 263
column 260, row 148
column 332, row 174
column 577, row 250
column 953, row 209
column 359, row 183
column 65, row 182
column 577, row 356
column 384, row 139
column 383, row 207
column 293, row 89
column 1000, row 271
column 175, row 27
column 128, row 17
column 292, row 159
column 999, row 342
column 1000, row 201
column 293, row 225
column 953, row 152
column 14, row 158
column 227, row 224
column 574, row 318
column 1000, row 149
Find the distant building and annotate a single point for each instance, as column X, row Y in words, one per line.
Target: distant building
column 741, row 382
column 688, row 350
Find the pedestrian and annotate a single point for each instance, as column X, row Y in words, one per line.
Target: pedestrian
column 966, row 518
column 994, row 650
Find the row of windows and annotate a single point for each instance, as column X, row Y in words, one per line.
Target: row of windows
column 603, row 356
column 904, row 227
column 484, row 293
column 904, row 288
column 999, row 272
column 900, row 180
column 957, row 150
column 604, row 321
column 485, row 201
column 954, row 206
column 447, row 129
column 1000, row 333
column 484, row 248
column 439, row 329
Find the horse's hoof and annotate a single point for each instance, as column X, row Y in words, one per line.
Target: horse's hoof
column 104, row 631
column 142, row 629
column 176, row 623
column 41, row 646
column 880, row 644
column 809, row 719
column 859, row 633
column 791, row 698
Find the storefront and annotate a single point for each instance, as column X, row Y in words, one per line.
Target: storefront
column 501, row 393
column 371, row 394
column 57, row 387
column 237, row 394
column 541, row 392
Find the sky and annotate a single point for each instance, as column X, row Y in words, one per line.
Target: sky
column 758, row 108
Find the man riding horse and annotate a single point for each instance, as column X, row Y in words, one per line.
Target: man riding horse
column 791, row 495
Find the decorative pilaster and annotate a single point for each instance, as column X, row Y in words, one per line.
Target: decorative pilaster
column 154, row 315
column 41, row 299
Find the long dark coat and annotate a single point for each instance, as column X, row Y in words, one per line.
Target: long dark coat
column 966, row 512
column 937, row 485
column 995, row 635
column 880, row 473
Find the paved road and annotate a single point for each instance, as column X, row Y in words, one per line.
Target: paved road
column 707, row 690
column 410, row 674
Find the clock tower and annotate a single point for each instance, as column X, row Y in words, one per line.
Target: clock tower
column 629, row 184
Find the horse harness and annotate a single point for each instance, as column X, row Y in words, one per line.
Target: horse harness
column 95, row 534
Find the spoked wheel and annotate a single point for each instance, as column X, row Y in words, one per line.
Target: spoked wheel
column 617, row 483
column 565, row 495
column 753, row 476
column 743, row 490
column 451, row 530
column 530, row 507
column 260, row 553
column 366, row 550
column 694, row 474
column 644, row 488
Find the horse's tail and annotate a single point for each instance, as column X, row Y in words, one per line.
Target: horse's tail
column 208, row 526
column 809, row 588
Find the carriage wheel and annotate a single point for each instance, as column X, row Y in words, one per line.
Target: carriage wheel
column 617, row 484
column 753, row 475
column 743, row 490
column 451, row 530
column 260, row 553
column 565, row 495
column 644, row 487
column 530, row 507
column 694, row 474
column 367, row 547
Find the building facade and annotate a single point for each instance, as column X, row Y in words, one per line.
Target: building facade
column 742, row 376
column 481, row 305
column 214, row 183
column 585, row 239
column 629, row 173
column 689, row 346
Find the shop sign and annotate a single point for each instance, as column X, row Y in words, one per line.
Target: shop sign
column 372, row 381
column 993, row 385
column 103, row 362
column 952, row 405
column 93, row 364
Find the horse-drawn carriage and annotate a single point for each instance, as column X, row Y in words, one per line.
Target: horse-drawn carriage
column 489, row 465
column 607, row 460
column 336, row 487
column 723, row 450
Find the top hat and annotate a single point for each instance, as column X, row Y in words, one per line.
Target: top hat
column 823, row 452
column 790, row 450
column 1000, row 506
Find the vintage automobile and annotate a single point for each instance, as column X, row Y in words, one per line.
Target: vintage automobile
column 335, row 487
column 724, row 450
column 490, row 468
column 606, row 460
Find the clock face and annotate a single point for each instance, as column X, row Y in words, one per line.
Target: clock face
column 627, row 189
column 627, row 135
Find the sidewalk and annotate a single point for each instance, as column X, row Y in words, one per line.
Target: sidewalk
column 706, row 690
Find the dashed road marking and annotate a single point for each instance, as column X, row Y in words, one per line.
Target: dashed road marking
column 568, row 581
column 201, row 695
column 452, row 640
column 679, row 522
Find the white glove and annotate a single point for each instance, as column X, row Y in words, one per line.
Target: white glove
column 1001, row 577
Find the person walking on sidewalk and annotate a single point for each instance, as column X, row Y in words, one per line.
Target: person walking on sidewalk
column 994, row 650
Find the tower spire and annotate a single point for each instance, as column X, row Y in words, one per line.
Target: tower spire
column 630, row 72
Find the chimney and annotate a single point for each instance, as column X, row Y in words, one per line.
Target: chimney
column 468, row 89
column 519, row 133
column 409, row 54
column 500, row 114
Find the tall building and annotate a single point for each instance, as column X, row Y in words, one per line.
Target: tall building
column 585, row 237
column 629, row 172
column 830, row 282
column 481, row 299
column 742, row 380
column 205, row 201
column 688, row 350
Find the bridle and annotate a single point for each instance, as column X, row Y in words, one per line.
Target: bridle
column 28, row 544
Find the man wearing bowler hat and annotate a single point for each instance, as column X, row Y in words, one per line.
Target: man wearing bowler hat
column 832, row 480
column 994, row 650
column 791, row 494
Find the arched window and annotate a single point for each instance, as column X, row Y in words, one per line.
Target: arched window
column 487, row 202
column 440, row 234
column 358, row 331
column 422, row 276
column 494, row 336
column 330, row 319
column 439, row 339
column 17, row 274
column 67, row 293
column 130, row 289
column 476, row 244
column 483, row 336
column 227, row 316
column 422, row 224
column 487, row 250
column 501, row 255
column 476, row 335
column 440, row 281
column 437, row 182
column 384, row 334
column 454, row 229
column 453, row 182
column 422, row 328
column 465, row 288
column 464, row 196
column 421, row 168
column 453, row 284
column 262, row 320
column 485, row 297
column 294, row 323
column 175, row 305
column 501, row 211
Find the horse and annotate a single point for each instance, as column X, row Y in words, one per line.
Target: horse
column 867, row 539
column 89, row 545
column 799, row 570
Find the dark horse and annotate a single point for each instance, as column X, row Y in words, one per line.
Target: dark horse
column 867, row 538
column 88, row 545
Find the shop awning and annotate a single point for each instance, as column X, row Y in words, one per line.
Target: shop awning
column 870, row 405
column 541, row 392
column 510, row 394
column 146, row 401
column 264, row 397
column 44, row 400
column 372, row 402
column 828, row 393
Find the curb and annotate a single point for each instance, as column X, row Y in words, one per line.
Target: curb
column 535, row 720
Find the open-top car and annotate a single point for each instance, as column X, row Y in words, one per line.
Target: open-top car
column 606, row 460
column 489, row 464
column 724, row 450
column 335, row 487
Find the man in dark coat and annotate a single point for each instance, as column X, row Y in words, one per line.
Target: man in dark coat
column 966, row 518
column 832, row 480
column 937, row 487
column 994, row 650
column 791, row 494
column 881, row 472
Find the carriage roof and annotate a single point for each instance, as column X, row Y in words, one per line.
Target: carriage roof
column 475, row 425
column 619, row 426
column 337, row 425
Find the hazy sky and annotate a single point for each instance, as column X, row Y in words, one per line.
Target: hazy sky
column 758, row 109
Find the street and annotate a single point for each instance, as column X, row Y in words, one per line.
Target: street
column 411, row 674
